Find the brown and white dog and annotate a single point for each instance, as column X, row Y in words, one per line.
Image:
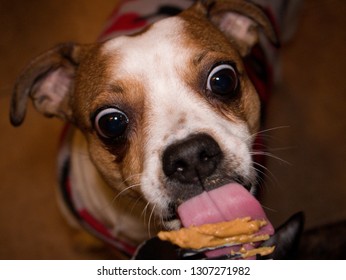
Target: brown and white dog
column 157, row 117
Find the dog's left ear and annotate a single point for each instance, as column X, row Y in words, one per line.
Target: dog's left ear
column 239, row 20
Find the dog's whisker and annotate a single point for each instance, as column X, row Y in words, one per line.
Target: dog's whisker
column 267, row 174
column 259, row 182
column 131, row 177
column 128, row 187
column 135, row 203
column 144, row 212
column 264, row 147
column 267, row 154
column 269, row 208
column 113, row 201
column 261, row 132
column 133, row 206
column 264, row 170
column 273, row 128
column 279, row 149
column 123, row 183
column 149, row 221
column 124, row 190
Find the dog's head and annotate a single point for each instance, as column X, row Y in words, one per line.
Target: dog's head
column 170, row 109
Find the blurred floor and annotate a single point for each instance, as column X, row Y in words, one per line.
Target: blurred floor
column 310, row 101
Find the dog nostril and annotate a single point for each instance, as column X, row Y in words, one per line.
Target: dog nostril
column 204, row 157
column 180, row 166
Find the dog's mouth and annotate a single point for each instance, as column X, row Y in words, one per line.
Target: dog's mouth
column 223, row 204
column 226, row 203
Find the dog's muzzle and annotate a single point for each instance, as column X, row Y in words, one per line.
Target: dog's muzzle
column 197, row 164
column 192, row 165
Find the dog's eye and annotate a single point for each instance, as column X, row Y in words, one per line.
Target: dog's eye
column 111, row 123
column 223, row 80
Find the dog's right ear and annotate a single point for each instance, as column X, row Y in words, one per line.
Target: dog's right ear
column 240, row 20
column 48, row 80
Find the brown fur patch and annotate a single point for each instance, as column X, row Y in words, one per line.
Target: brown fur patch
column 95, row 88
column 211, row 47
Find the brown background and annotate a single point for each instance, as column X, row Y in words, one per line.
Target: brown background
column 310, row 102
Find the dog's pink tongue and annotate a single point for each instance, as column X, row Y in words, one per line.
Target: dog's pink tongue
column 222, row 204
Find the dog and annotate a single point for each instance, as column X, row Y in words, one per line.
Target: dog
column 156, row 117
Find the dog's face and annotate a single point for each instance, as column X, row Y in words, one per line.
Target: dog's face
column 168, row 112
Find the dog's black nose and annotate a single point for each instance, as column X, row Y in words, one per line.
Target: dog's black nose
column 191, row 160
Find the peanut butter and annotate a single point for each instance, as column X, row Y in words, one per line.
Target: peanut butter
column 263, row 251
column 238, row 231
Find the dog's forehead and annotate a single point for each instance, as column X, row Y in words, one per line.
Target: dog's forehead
column 158, row 60
column 148, row 51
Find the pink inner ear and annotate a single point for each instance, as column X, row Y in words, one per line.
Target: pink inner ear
column 50, row 93
column 241, row 28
